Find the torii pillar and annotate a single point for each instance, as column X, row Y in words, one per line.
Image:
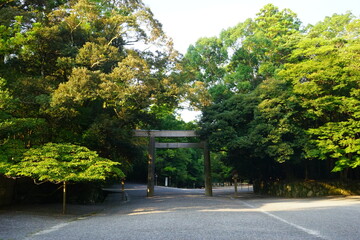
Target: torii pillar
column 173, row 133
column 151, row 168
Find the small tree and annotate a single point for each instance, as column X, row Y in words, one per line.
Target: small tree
column 63, row 163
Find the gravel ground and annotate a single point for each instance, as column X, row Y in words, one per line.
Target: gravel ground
column 188, row 214
column 21, row 221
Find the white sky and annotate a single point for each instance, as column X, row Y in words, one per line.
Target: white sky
column 185, row 21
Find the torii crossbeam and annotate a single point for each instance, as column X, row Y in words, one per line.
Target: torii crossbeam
column 152, row 134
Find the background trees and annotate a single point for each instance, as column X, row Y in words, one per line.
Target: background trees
column 279, row 100
column 81, row 72
column 286, row 102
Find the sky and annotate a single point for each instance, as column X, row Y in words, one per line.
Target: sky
column 185, row 21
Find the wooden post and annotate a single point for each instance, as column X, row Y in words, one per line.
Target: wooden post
column 64, row 197
column 151, row 168
column 207, row 171
column 235, row 178
column 236, row 187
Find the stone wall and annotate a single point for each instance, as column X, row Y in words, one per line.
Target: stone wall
column 303, row 189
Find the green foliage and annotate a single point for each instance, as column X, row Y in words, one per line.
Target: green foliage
column 287, row 98
column 332, row 27
column 326, row 82
column 338, row 141
column 5, row 96
column 242, row 57
column 203, row 68
column 183, row 166
column 20, row 126
column 277, row 101
column 10, row 36
column 220, row 171
column 11, row 152
column 73, row 75
column 64, row 163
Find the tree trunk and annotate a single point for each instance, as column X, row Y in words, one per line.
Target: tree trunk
column 207, row 170
column 151, row 168
column 64, row 197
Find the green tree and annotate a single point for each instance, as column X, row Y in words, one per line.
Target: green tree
column 286, row 95
column 64, row 163
column 84, row 68
column 203, row 67
column 326, row 82
column 16, row 133
column 249, row 117
column 259, row 47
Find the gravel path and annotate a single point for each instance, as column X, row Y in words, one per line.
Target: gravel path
column 188, row 214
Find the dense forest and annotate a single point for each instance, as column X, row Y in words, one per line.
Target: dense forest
column 279, row 100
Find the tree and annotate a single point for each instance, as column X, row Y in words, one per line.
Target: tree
column 16, row 133
column 326, row 81
column 203, row 69
column 289, row 97
column 64, row 163
column 241, row 57
column 249, row 117
column 83, row 68
column 260, row 46
column 111, row 72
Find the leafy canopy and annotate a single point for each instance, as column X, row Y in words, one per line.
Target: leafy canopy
column 64, row 162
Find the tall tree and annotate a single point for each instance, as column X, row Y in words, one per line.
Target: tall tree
column 249, row 115
column 86, row 67
column 326, row 81
column 291, row 97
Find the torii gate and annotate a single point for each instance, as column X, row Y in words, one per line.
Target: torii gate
column 152, row 134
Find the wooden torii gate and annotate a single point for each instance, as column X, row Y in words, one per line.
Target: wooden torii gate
column 152, row 134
